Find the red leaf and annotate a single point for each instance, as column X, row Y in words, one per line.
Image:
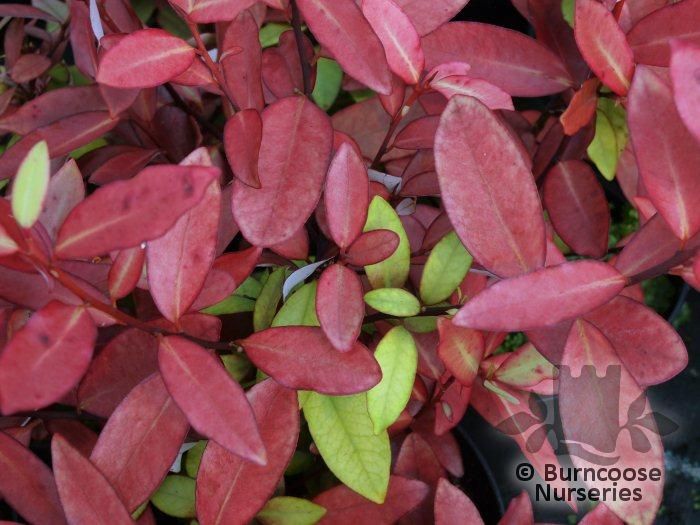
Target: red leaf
column 46, row 358
column 517, row 64
column 428, row 16
column 454, row 506
column 372, row 247
column 451, row 407
column 488, row 94
column 297, row 138
column 128, row 161
column 27, row 484
column 577, row 206
column 25, row 11
column 232, row 490
column 418, row 134
column 29, row 67
column 213, row 402
column 340, row 306
column 125, row 272
column 301, row 357
column 592, row 371
column 207, row 11
column 179, row 261
column 242, row 136
column 241, row 61
column 519, row 511
column 346, row 507
column 340, row 27
column 651, row 37
column 461, row 349
column 488, row 190
column 346, row 196
column 122, row 364
column 113, row 216
column 542, row 298
column 52, row 106
column 161, row 57
column 294, row 248
column 239, row 265
column 603, row 45
column 399, row 37
column 86, row 495
column 66, row 190
column 649, row 347
column 686, row 84
column 582, row 107
column 140, row 441
column 366, row 122
column 667, row 153
column 78, row 435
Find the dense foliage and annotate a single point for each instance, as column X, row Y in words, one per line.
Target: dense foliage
column 257, row 258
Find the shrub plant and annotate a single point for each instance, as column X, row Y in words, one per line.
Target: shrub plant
column 258, row 258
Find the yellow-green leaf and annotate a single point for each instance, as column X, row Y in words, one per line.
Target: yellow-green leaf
column 393, row 301
column 446, row 267
column 30, row 185
column 392, row 272
column 266, row 305
column 398, row 358
column 285, row 510
column 193, row 457
column 300, row 308
column 237, row 365
column 343, row 433
column 175, row 497
column 610, row 138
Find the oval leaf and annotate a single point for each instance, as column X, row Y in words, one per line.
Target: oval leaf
column 112, row 217
column 398, row 36
column 393, row 301
column 398, row 358
column 285, row 510
column 342, row 431
column 242, row 137
column 232, row 490
column 446, row 267
column 392, row 272
column 461, row 349
column 519, row 65
column 86, row 495
column 686, row 84
column 297, row 138
column 302, row 358
column 145, row 58
column 46, row 358
column 346, row 196
column 488, row 190
column 140, row 441
column 667, row 153
column 578, row 208
column 542, row 298
column 603, row 45
column 373, row 247
column 30, row 185
column 452, row 506
column 339, row 306
column 340, row 27
column 213, row 402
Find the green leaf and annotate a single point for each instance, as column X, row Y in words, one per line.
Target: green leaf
column 393, row 301
column 610, row 138
column 233, row 304
column 285, row 510
column 446, row 267
column 329, row 77
column 421, row 325
column 398, row 358
column 30, row 185
column 270, row 34
column 300, row 308
column 343, row 433
column 193, row 457
column 393, row 271
column 567, row 11
column 266, row 305
column 237, row 365
column 301, row 461
column 175, row 497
